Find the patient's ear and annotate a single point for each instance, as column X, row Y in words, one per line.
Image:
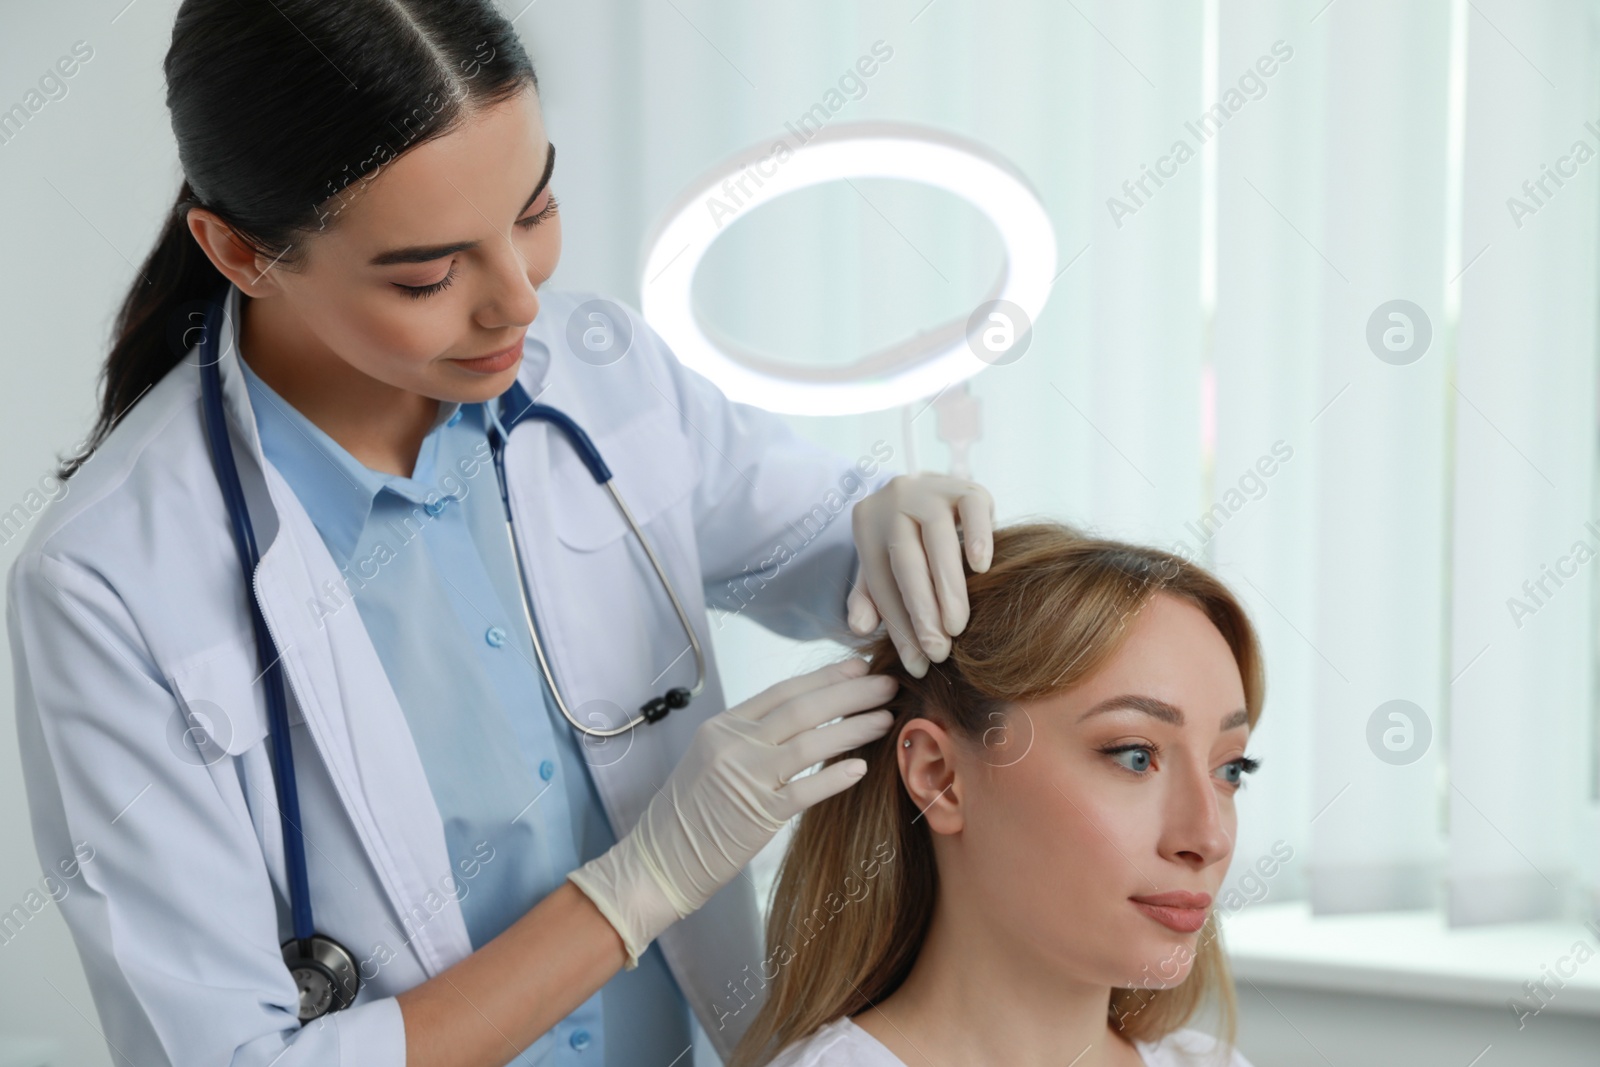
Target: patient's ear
column 928, row 769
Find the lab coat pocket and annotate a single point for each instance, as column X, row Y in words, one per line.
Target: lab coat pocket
column 223, row 710
column 223, row 713
column 652, row 466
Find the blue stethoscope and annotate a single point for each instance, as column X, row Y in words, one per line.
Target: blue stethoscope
column 324, row 970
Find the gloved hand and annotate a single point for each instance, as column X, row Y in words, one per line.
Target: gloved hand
column 727, row 797
column 909, row 562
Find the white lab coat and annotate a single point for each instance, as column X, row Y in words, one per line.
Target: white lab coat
column 127, row 605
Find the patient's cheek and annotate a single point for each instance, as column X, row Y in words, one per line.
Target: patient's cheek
column 1097, row 822
column 1051, row 835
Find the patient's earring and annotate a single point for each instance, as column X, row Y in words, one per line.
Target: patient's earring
column 906, row 743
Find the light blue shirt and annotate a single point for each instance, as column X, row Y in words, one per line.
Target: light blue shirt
column 430, row 570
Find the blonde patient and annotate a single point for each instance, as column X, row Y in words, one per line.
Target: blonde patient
column 1025, row 874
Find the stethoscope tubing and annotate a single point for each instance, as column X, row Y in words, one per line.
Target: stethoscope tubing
column 267, row 658
column 319, row 963
column 601, row 474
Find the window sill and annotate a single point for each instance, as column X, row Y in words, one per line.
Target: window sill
column 1413, row 954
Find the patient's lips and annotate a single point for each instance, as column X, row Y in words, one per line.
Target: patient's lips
column 1176, row 910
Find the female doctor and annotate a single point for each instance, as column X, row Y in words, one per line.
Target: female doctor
column 357, row 253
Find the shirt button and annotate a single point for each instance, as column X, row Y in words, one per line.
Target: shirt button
column 437, row 506
column 547, row 770
column 495, row 636
column 580, row 1039
column 453, row 419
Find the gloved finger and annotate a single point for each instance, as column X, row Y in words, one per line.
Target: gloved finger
column 886, row 595
column 801, row 793
column 861, row 592
column 913, row 578
column 976, row 508
column 811, row 747
column 943, row 549
column 810, row 710
column 860, row 611
column 773, row 696
column 878, row 576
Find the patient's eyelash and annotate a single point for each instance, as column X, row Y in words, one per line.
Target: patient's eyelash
column 1245, row 764
column 1113, row 751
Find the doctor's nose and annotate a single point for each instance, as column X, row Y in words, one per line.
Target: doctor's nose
column 511, row 298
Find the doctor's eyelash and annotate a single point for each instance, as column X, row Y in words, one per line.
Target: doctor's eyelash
column 417, row 292
column 550, row 208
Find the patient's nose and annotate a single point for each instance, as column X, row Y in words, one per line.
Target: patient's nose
column 1197, row 828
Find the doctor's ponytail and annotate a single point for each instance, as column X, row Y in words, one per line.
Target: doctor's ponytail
column 177, row 272
column 277, row 107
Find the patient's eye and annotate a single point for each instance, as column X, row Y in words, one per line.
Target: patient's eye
column 1135, row 758
column 1235, row 770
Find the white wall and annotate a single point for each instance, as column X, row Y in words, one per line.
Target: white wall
column 82, row 187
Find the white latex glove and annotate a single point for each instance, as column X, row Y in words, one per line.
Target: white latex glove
column 908, row 571
column 727, row 797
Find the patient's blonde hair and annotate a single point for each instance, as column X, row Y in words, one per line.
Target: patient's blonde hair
column 1051, row 609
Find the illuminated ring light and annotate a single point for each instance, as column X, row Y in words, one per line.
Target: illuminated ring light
column 901, row 373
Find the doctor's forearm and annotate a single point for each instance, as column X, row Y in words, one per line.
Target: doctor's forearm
column 493, row 1004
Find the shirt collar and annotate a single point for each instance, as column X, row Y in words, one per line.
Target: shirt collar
column 336, row 490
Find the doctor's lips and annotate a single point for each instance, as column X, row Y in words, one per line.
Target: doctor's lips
column 495, row 361
column 1177, row 910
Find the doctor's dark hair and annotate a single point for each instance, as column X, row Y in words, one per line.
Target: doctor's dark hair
column 282, row 111
column 855, row 892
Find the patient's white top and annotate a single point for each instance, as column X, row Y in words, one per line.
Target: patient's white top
column 842, row 1043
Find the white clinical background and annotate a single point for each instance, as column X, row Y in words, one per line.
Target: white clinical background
column 1324, row 319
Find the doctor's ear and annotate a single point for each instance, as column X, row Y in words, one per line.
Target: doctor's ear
column 926, row 754
column 241, row 265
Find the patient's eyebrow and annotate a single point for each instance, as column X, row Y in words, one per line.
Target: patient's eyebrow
column 1159, row 709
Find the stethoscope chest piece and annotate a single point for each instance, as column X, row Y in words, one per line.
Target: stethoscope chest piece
column 325, row 973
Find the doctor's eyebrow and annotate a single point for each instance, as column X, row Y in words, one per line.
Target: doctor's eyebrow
column 428, row 253
column 1160, row 709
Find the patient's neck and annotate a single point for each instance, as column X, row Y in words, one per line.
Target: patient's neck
column 975, row 998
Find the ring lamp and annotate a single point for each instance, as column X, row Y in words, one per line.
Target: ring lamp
column 901, row 373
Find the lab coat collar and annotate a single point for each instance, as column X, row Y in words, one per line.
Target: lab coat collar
column 341, row 691
column 235, row 391
column 353, row 717
column 534, row 374
column 336, row 488
column 339, row 686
